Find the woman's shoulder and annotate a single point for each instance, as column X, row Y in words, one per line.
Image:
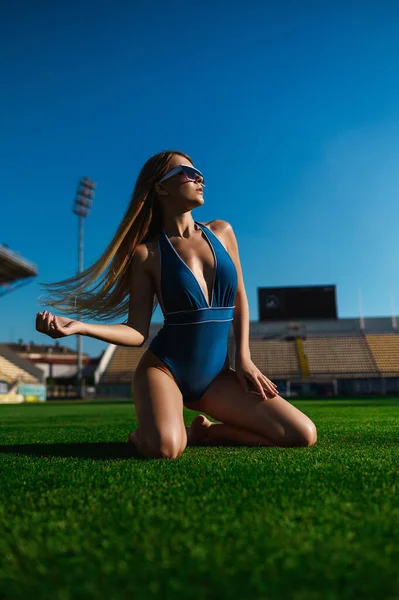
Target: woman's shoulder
column 218, row 226
column 224, row 232
column 145, row 252
column 222, row 229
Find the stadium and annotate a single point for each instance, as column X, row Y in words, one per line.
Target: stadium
column 298, row 342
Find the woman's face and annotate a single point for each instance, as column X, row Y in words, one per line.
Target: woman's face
column 185, row 195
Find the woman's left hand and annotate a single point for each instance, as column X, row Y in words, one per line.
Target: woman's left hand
column 246, row 371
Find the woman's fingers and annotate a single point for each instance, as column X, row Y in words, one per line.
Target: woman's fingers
column 40, row 322
column 58, row 329
column 51, row 325
column 264, row 385
column 48, row 320
column 43, row 323
column 48, row 324
column 270, row 386
column 258, row 385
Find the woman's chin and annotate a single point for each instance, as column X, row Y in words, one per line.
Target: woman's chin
column 194, row 202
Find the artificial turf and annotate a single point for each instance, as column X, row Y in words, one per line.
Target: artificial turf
column 82, row 518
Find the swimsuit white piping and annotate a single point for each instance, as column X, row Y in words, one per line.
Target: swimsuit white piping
column 160, row 278
column 186, row 265
column 215, row 258
column 199, row 322
column 190, row 310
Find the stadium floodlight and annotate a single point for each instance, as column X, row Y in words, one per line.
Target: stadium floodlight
column 81, row 208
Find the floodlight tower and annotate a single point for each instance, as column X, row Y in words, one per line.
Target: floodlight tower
column 83, row 201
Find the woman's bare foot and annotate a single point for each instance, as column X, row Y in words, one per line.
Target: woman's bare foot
column 198, row 430
column 132, row 438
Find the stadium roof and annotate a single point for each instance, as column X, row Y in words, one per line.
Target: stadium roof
column 15, row 270
column 21, row 362
column 34, row 348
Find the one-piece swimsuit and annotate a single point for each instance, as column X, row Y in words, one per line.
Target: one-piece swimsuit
column 193, row 342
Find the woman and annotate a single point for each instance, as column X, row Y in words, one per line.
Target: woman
column 194, row 271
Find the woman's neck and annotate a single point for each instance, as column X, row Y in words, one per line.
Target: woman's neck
column 179, row 225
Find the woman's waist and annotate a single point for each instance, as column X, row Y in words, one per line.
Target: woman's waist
column 193, row 338
column 199, row 316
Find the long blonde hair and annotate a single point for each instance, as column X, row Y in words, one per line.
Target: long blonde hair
column 109, row 297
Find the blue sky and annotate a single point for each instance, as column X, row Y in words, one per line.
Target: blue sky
column 290, row 109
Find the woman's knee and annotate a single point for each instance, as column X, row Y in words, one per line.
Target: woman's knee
column 306, row 435
column 166, row 445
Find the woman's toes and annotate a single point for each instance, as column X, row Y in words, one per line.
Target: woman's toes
column 130, row 439
column 199, row 429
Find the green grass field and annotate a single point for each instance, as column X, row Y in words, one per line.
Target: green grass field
column 82, row 518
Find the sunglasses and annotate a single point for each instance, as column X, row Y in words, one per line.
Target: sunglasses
column 190, row 173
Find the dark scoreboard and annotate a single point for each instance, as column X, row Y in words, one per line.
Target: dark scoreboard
column 290, row 303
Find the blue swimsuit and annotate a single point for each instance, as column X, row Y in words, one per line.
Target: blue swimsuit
column 193, row 340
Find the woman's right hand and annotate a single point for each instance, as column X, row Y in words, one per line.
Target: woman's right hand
column 57, row 327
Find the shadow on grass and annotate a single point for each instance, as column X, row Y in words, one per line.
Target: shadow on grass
column 99, row 450
column 79, row 402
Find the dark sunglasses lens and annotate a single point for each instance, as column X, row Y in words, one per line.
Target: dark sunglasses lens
column 192, row 173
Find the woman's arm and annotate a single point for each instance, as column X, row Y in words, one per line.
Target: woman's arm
column 241, row 311
column 134, row 332
column 246, row 371
column 120, row 334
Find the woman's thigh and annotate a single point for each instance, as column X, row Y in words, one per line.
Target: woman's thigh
column 159, row 409
column 274, row 418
